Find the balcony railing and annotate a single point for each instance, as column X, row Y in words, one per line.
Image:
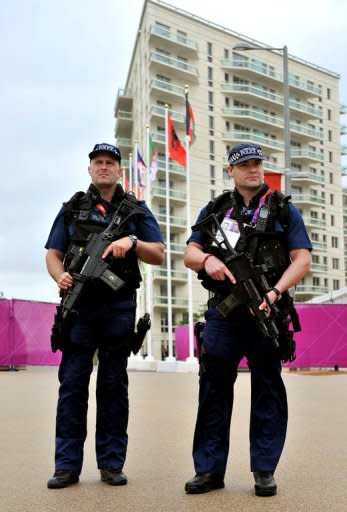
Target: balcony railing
column 319, row 267
column 160, row 111
column 173, row 167
column 261, row 139
column 180, row 275
column 172, row 62
column 320, row 246
column 174, row 220
column 176, row 301
column 254, row 114
column 311, row 289
column 122, row 141
column 306, row 154
column 317, row 223
column 174, row 194
column 306, row 175
column 174, row 38
column 304, row 130
column 168, row 87
column 307, row 198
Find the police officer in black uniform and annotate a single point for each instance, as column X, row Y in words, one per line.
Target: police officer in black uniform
column 103, row 320
column 269, row 230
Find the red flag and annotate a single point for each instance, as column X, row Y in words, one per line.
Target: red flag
column 190, row 121
column 176, row 150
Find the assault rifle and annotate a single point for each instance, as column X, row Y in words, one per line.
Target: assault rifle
column 87, row 263
column 251, row 284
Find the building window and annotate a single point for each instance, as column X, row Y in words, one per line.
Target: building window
column 330, row 135
column 331, row 198
column 334, row 242
column 226, row 53
column 211, row 147
column 330, row 157
column 336, row 264
column 328, row 93
column 210, row 101
column 212, row 194
column 209, row 52
column 209, row 76
column 331, row 178
column 212, row 175
column 329, row 114
column 336, row 284
column 315, row 281
column 211, row 125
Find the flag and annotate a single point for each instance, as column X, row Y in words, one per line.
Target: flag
column 176, row 150
column 153, row 160
column 141, row 169
column 190, row 121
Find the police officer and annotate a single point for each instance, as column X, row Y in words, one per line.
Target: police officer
column 103, row 320
column 270, row 230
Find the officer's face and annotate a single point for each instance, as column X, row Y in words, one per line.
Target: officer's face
column 104, row 170
column 248, row 175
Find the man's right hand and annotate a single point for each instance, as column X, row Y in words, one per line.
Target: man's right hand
column 216, row 269
column 65, row 281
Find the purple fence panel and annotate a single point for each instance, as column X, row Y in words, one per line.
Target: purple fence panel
column 29, row 333
column 5, row 332
column 321, row 343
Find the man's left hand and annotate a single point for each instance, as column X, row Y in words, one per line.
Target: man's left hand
column 119, row 248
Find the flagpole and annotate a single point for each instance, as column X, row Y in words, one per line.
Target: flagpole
column 168, row 242
column 149, row 274
column 190, row 358
column 130, row 172
column 136, row 159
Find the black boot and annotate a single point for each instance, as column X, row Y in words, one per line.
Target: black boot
column 113, row 476
column 62, row 478
column 265, row 484
column 204, row 482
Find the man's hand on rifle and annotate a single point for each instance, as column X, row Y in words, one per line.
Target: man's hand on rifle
column 271, row 297
column 119, row 248
column 65, row 281
column 216, row 269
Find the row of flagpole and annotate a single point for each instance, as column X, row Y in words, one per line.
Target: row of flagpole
column 174, row 150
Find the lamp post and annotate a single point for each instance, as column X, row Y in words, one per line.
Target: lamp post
column 286, row 126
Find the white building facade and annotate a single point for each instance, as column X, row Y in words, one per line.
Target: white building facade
column 236, row 96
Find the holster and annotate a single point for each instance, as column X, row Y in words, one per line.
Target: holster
column 60, row 332
column 136, row 338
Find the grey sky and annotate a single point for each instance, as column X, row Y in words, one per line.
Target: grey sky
column 62, row 62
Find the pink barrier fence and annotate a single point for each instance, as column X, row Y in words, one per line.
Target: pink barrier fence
column 25, row 328
column 321, row 343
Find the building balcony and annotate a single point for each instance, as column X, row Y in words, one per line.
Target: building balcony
column 343, row 150
column 176, row 275
column 311, row 289
column 174, row 168
column 306, row 176
column 256, row 116
column 177, row 223
column 307, row 199
column 305, row 132
column 343, row 109
column 177, row 248
column 159, row 137
column 124, row 100
column 319, row 267
column 319, row 246
column 306, row 154
column 125, row 143
column 270, row 166
column 177, row 302
column 181, row 67
column 175, row 195
column 241, row 136
column 167, row 89
column 343, row 130
column 344, row 171
column 245, row 91
column 315, row 223
column 158, row 111
column 183, row 43
column 249, row 68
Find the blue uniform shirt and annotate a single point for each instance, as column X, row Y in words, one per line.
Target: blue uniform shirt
column 296, row 236
column 147, row 229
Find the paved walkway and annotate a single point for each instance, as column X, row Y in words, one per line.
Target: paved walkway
column 312, row 474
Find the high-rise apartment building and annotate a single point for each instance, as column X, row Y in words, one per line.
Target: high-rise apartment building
column 236, row 96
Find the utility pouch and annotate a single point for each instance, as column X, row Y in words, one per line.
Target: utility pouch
column 60, row 330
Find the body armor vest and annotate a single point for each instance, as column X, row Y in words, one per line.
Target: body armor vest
column 86, row 213
column 258, row 238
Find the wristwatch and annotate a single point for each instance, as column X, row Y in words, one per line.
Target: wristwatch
column 134, row 239
column 277, row 292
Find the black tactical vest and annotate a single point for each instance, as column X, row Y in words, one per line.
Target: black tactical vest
column 83, row 212
column 259, row 241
